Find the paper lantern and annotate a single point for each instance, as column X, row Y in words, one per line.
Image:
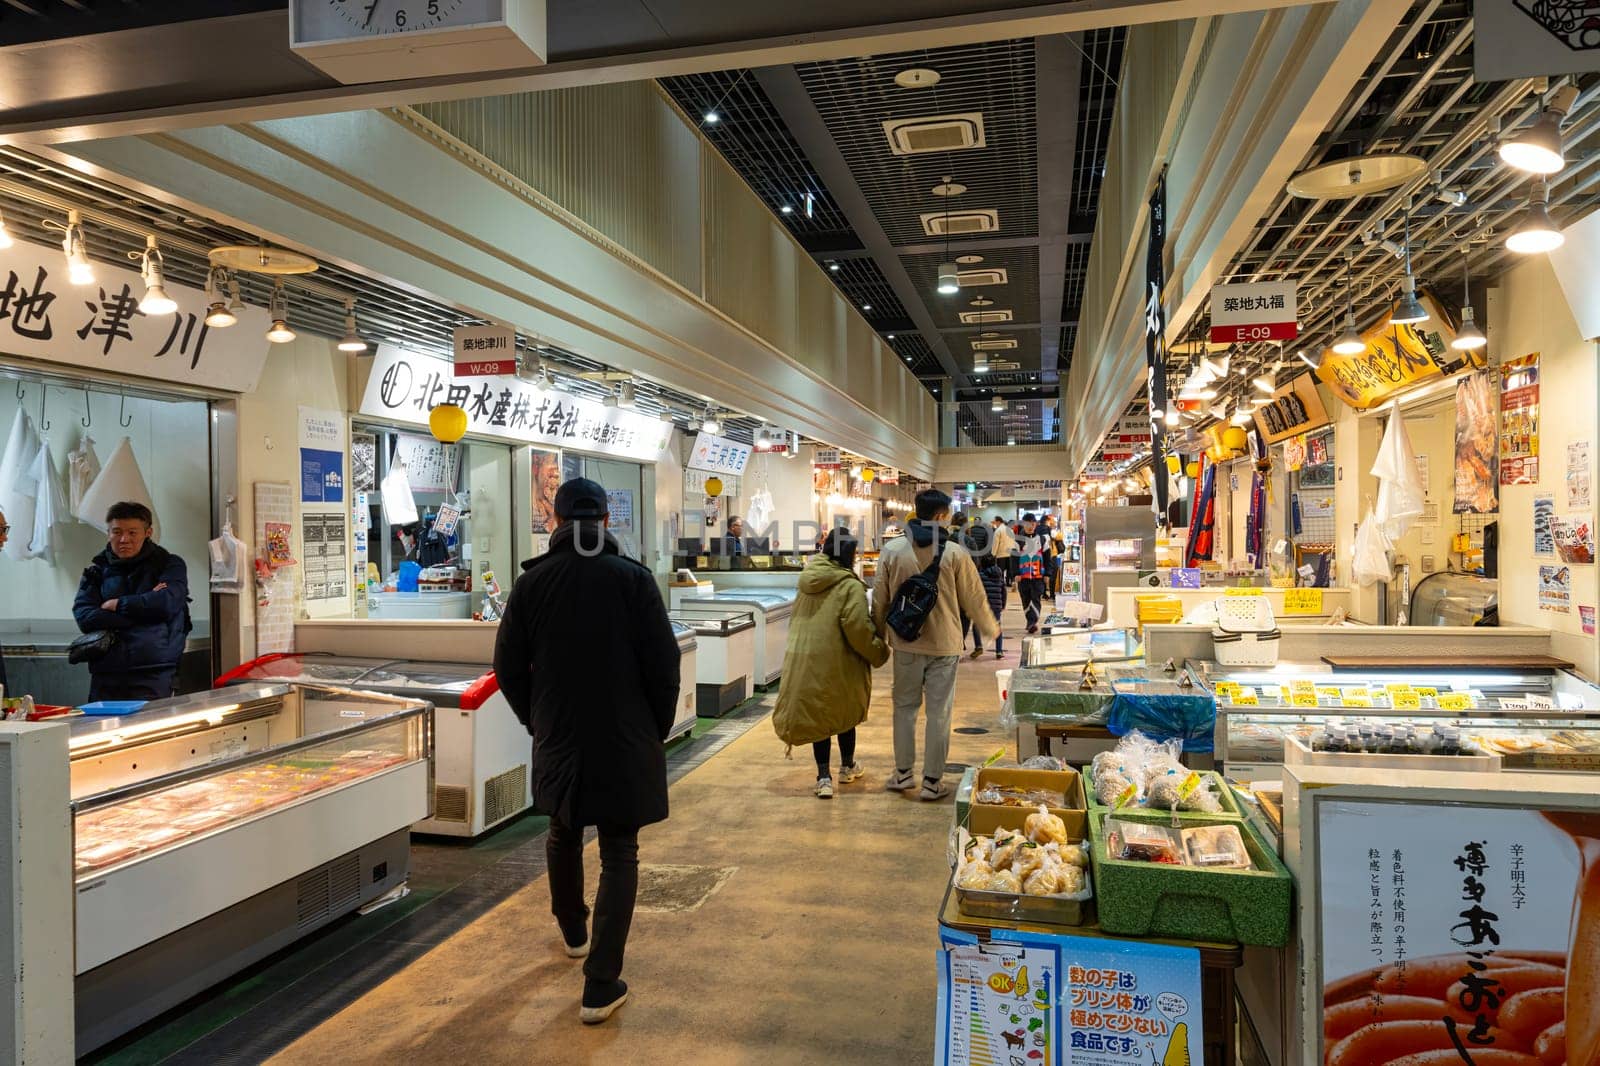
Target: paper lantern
column 713, row 487
column 1233, row 439
column 867, row 473
column 448, row 423
column 1192, row 470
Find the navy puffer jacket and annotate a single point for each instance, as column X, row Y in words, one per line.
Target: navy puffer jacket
column 151, row 626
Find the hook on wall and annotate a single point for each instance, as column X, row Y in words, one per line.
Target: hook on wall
column 88, row 410
column 123, row 417
column 21, row 392
column 44, row 398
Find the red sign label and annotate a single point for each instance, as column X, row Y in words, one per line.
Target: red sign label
column 484, row 368
column 1256, row 331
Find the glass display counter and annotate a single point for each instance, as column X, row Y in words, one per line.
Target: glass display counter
column 1069, row 648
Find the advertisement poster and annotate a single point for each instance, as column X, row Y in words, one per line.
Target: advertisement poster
column 321, row 456
column 1586, row 617
column 1555, row 589
column 426, row 460
column 1580, row 485
column 620, row 503
column 1519, row 421
column 324, row 559
column 1445, row 929
column 1574, row 539
column 1128, row 1001
column 997, row 1004
column 1477, row 412
column 1544, row 516
column 546, row 480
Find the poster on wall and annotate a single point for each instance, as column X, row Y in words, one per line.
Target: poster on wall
column 1130, row 1002
column 1574, row 539
column 427, row 462
column 363, row 462
column 1448, row 915
column 619, row 502
column 1519, row 421
column 322, row 450
column 1544, row 515
column 546, row 479
column 1555, row 589
column 1580, row 484
column 1477, row 419
column 1586, row 618
column 323, row 559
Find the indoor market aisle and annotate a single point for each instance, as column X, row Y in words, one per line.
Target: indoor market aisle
column 815, row 944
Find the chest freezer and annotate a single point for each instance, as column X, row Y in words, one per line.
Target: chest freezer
column 725, row 655
column 688, row 654
column 772, row 609
column 482, row 753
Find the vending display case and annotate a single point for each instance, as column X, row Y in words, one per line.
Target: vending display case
column 1448, row 599
column 211, row 830
column 725, row 655
column 772, row 609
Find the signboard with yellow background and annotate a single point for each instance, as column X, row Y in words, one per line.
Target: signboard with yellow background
column 1395, row 358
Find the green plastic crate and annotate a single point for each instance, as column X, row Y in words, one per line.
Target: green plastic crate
column 1230, row 806
column 1187, row 902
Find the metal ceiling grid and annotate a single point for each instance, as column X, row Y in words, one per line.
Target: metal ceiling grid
column 1020, row 293
column 1025, row 354
column 856, row 96
column 1077, row 276
column 1097, row 98
column 755, row 142
column 865, row 286
column 914, row 350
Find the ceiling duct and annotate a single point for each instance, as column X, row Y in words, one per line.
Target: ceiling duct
column 1005, row 344
column 935, row 133
column 978, row 318
column 960, row 223
column 983, row 276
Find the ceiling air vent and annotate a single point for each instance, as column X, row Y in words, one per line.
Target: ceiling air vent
column 994, row 346
column 934, row 133
column 985, row 276
column 978, row 318
column 960, row 223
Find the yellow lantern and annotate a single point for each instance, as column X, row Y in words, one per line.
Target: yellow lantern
column 1192, row 470
column 867, row 473
column 1233, row 439
column 448, row 423
column 713, row 487
column 1174, row 464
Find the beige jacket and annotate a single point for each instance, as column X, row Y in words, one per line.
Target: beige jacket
column 960, row 590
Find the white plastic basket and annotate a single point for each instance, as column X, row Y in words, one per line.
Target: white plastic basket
column 1245, row 614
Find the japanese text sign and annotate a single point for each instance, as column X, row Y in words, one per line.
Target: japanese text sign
column 100, row 326
column 718, row 454
column 484, row 351
column 1255, row 311
column 406, row 386
column 1395, row 358
column 828, row 459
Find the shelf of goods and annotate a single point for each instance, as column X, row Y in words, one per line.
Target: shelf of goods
column 208, row 831
column 725, row 654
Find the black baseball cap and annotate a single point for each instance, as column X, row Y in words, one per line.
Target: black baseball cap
column 1026, row 518
column 581, row 498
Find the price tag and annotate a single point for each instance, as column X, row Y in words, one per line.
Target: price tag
column 1246, row 697
column 1302, row 601
column 1396, row 691
column 1272, row 693
column 1405, row 701
column 1225, row 689
column 1356, row 697
column 1332, row 693
column 1429, row 693
column 1242, row 592
column 1302, row 694
column 1455, row 701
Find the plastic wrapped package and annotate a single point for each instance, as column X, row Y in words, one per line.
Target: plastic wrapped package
column 1045, row 762
column 1043, row 827
column 1004, row 881
column 1075, row 855
column 1111, row 778
column 1137, row 842
column 1216, row 846
column 975, row 875
column 1006, row 843
column 1054, row 696
column 1014, row 796
column 1163, row 709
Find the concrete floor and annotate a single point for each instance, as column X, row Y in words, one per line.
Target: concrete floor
column 818, row 947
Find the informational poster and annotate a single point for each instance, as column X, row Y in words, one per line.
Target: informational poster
column 1519, row 421
column 827, row 459
column 321, row 442
column 546, row 470
column 1446, row 928
column 620, row 503
column 324, row 559
column 694, row 483
column 1586, row 617
column 1580, row 479
column 1555, row 589
column 1574, row 539
column 1477, row 454
column 427, row 462
column 998, row 1003
column 1544, row 516
column 1127, row 1001
column 363, row 462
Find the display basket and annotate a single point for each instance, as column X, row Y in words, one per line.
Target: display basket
column 1246, row 633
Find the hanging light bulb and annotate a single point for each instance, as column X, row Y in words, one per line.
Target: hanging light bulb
column 155, row 301
column 218, row 314
column 1469, row 337
column 352, row 341
column 1241, row 417
column 949, row 281
column 5, row 234
column 1409, row 311
column 1349, row 342
column 79, row 272
column 1538, row 148
column 980, row 364
column 1314, row 364
column 278, row 308
column 1536, row 232
column 1266, row 383
column 1171, row 417
column 712, row 117
column 711, row 424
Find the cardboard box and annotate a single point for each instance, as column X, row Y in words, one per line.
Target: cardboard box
column 1074, row 813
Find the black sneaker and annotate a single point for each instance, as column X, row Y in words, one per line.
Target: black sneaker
column 601, row 1002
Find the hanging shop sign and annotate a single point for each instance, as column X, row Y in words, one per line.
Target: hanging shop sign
column 1477, row 407
column 484, row 351
column 718, row 454
column 1097, row 468
column 888, row 475
column 1295, row 408
column 1155, row 334
column 405, row 386
column 1519, row 421
column 100, row 327
column 828, row 459
column 1395, row 358
column 1533, row 39
column 1254, row 311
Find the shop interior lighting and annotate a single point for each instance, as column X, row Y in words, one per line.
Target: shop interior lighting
column 712, row 117
column 1409, row 311
column 1011, row 442
column 787, row 209
column 352, row 341
column 1349, row 342
column 155, row 300
column 279, row 333
column 949, row 283
column 1536, row 231
column 219, row 315
column 79, row 272
column 1538, row 149
column 5, row 235
column 1217, row 368
column 1314, row 364
column 998, row 403
column 833, row 267
column 1242, row 417
column 1171, row 417
column 711, row 423
column 1266, row 383
column 1469, row 337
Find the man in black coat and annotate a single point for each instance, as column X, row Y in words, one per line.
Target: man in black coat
column 589, row 663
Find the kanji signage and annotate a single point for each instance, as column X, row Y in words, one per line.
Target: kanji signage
column 828, row 459
column 404, row 386
column 1295, row 408
column 100, row 326
column 718, row 454
column 484, row 351
column 1395, row 358
column 321, row 456
column 1253, row 311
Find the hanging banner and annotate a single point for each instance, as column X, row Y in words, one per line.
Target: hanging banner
column 1534, row 38
column 484, row 351
column 99, row 326
column 720, row 455
column 1155, row 335
column 694, row 483
column 1395, row 358
column 1295, row 409
column 405, row 386
column 1477, row 416
column 1254, row 311
column 1519, row 421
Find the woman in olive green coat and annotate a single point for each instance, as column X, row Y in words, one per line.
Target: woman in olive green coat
column 827, row 668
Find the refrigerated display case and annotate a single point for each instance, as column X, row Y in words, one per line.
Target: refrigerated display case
column 772, row 609
column 1448, row 599
column 1118, row 543
column 211, row 830
column 725, row 655
column 688, row 657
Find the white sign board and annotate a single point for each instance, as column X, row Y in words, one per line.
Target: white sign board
column 718, row 455
column 404, row 386
column 694, row 483
column 483, row 351
column 101, row 328
column 1254, row 311
column 1578, row 270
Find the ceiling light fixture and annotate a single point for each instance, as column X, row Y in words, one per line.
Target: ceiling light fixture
column 949, row 282
column 1314, row 364
column 866, row 307
column 711, row 424
column 278, row 308
column 352, row 341
column 997, row 404
column 1409, row 312
column 1536, row 232
column 1538, row 149
column 1469, row 337
column 218, row 314
column 787, row 209
column 1266, row 383
column 1349, row 342
column 1171, row 417
column 79, row 272
column 833, row 267
column 1242, row 417
column 712, row 117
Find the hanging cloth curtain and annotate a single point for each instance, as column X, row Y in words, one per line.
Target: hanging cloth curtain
column 119, row 481
column 1401, row 493
column 50, row 505
column 17, row 487
column 1202, row 527
column 1255, row 531
column 83, row 466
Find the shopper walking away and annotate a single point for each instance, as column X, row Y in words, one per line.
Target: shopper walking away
column 994, row 586
column 925, row 655
column 1030, row 570
column 827, row 667
column 135, row 597
column 1001, row 546
column 588, row 662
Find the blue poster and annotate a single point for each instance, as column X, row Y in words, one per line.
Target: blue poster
column 321, row 476
column 1184, row 578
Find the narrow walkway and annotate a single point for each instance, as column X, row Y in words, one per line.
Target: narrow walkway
column 815, row 946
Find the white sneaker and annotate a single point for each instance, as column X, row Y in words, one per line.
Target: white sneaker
column 579, row 952
column 900, row 781
column 933, row 790
column 854, row 772
column 824, row 789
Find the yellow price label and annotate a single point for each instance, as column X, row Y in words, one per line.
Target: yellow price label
column 1356, row 697
column 1302, row 601
column 1304, row 699
column 1190, row 783
column 1330, row 692
column 1396, row 689
column 1246, row 697
column 1225, row 688
column 1455, row 701
column 1242, row 592
column 1430, row 693
column 1405, row 701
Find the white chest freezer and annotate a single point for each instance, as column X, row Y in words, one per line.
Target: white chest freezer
column 688, row 657
column 725, row 655
column 482, row 753
column 772, row 608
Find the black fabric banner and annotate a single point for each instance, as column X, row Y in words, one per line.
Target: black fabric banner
column 1155, row 353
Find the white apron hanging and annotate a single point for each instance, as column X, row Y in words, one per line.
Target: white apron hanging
column 83, row 466
column 17, row 485
column 120, row 481
column 50, row 505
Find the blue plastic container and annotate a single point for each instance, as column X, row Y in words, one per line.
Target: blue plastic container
column 112, row 707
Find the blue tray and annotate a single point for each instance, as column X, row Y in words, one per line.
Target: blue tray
column 112, row 707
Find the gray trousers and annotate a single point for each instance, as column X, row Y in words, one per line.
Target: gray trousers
column 917, row 676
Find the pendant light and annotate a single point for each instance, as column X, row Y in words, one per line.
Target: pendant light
column 1349, row 342
column 1409, row 312
column 79, row 272
column 1536, row 232
column 998, row 404
column 949, row 280
column 1469, row 337
column 155, row 301
column 711, row 423
column 1538, row 149
column 218, row 314
column 278, row 308
column 352, row 341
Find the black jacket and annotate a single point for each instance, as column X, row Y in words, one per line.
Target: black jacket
column 994, row 586
column 151, row 626
column 589, row 663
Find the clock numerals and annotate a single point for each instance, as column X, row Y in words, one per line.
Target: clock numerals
column 400, row 18
column 395, row 16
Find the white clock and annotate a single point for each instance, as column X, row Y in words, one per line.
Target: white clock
column 359, row 41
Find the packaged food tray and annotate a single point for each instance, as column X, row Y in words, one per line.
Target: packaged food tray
column 1049, row 910
column 1212, row 780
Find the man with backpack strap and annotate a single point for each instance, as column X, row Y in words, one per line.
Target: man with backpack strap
column 925, row 581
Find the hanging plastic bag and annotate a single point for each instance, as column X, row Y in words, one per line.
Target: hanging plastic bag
column 1371, row 563
column 230, row 562
column 399, row 506
column 1401, row 493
